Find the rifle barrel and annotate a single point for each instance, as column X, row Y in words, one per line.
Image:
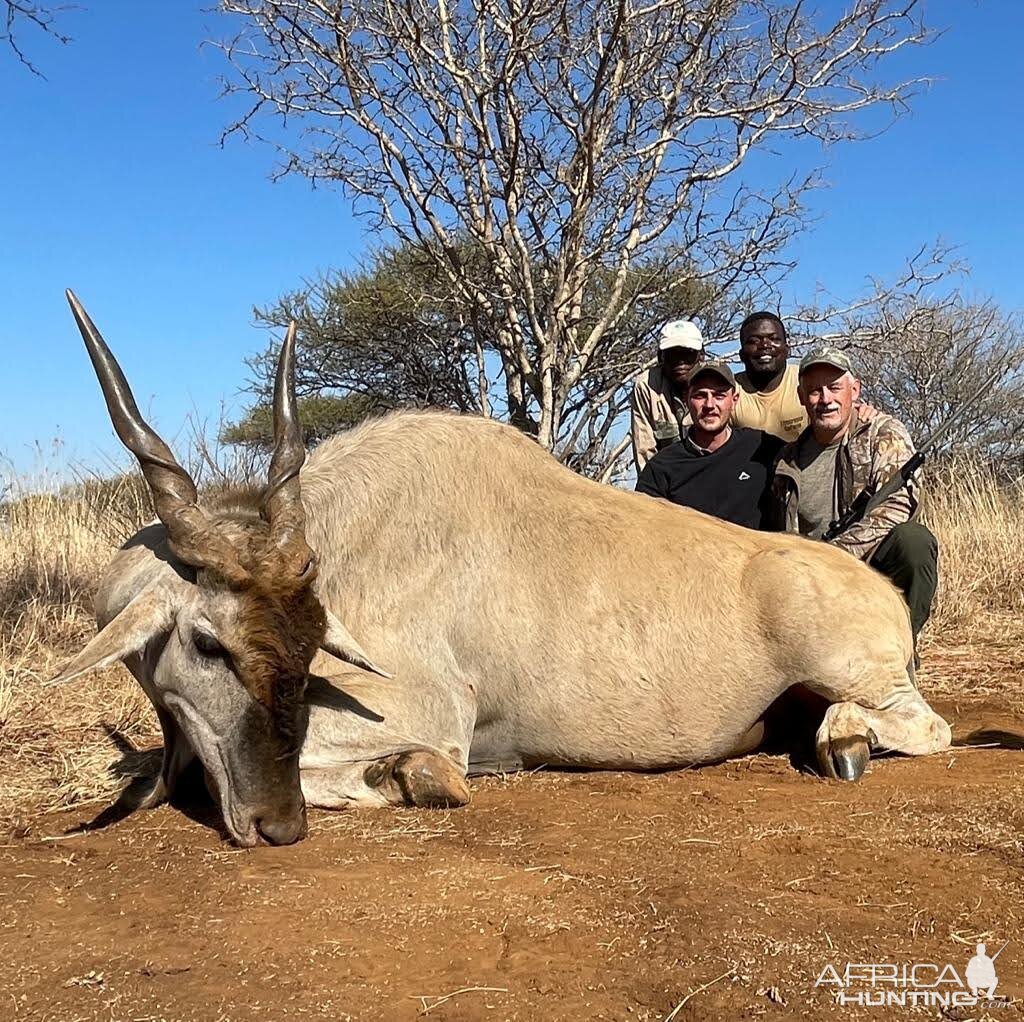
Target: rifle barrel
column 943, row 428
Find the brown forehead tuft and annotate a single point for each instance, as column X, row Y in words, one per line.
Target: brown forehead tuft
column 279, row 622
column 276, row 637
column 273, row 570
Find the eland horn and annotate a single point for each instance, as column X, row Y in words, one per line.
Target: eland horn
column 189, row 530
column 282, row 500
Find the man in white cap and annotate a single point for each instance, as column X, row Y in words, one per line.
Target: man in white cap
column 657, row 407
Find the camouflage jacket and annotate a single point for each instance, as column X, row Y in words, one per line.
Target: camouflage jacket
column 657, row 416
column 870, row 453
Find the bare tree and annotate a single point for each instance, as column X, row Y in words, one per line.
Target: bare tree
column 924, row 358
column 923, row 349
column 18, row 14
column 569, row 143
column 394, row 334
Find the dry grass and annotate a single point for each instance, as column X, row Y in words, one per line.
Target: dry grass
column 56, row 744
column 75, row 745
column 980, row 527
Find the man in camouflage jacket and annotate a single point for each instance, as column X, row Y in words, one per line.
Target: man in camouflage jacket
column 657, row 407
column 818, row 476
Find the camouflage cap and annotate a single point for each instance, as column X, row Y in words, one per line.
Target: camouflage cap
column 826, row 355
column 719, row 369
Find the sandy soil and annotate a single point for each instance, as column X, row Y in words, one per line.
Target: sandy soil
column 719, row 893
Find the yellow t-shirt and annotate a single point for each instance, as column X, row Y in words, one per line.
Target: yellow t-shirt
column 778, row 412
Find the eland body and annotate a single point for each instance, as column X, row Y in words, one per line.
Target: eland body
column 526, row 616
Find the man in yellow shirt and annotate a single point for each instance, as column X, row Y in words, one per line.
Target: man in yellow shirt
column 768, row 388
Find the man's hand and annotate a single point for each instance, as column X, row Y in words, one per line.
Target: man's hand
column 866, row 412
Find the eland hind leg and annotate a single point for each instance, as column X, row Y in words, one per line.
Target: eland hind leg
column 897, row 719
column 856, row 651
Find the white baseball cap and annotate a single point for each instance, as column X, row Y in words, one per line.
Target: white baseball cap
column 680, row 333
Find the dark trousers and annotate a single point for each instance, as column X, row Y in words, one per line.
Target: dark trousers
column 909, row 556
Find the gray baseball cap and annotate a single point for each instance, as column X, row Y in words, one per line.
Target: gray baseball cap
column 826, row 355
column 719, row 369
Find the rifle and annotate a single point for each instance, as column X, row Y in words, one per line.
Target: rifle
column 864, row 503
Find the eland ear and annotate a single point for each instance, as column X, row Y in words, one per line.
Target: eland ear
column 339, row 642
column 150, row 613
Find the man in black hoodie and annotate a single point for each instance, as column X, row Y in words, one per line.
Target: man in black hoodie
column 715, row 468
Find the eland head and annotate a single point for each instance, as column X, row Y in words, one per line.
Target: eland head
column 221, row 624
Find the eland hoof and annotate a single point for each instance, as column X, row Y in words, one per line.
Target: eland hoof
column 418, row 777
column 846, row 759
column 429, row 780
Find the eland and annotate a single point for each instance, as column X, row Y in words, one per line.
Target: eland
column 434, row 596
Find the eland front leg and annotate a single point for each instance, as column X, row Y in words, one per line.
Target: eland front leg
column 369, row 743
column 415, row 777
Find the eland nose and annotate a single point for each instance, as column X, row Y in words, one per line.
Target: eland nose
column 282, row 830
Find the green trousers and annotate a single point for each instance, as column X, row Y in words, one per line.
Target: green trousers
column 909, row 556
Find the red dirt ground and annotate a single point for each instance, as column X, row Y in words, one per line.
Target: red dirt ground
column 552, row 896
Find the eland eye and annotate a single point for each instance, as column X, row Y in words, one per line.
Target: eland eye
column 207, row 645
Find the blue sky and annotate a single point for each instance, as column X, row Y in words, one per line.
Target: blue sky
column 115, row 185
